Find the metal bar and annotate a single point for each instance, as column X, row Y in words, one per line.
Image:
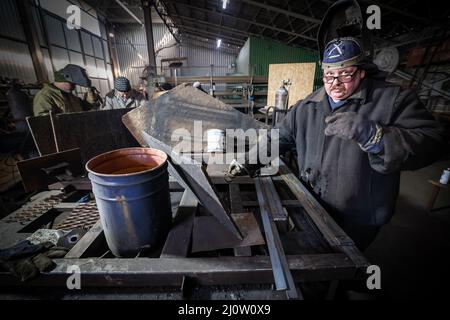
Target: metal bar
column 284, row 203
column 146, row 272
column 146, row 6
column 282, row 274
column 179, row 238
column 232, row 30
column 238, row 208
column 243, row 20
column 159, row 7
column 279, row 10
column 219, row 79
column 91, row 239
column 113, row 51
column 130, row 12
column 202, row 32
column 52, row 121
column 333, row 234
column 279, row 215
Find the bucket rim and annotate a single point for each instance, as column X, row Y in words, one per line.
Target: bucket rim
column 105, row 154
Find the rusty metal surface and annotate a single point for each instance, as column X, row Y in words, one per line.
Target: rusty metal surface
column 83, row 216
column 179, row 109
column 207, row 233
column 190, row 174
column 34, row 209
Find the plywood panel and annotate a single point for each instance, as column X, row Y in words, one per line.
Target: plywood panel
column 301, row 76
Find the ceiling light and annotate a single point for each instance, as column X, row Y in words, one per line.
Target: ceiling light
column 219, row 42
column 224, row 4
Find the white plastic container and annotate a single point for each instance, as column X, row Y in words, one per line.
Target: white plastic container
column 215, row 140
column 445, row 178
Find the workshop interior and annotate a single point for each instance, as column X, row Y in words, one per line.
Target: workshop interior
column 224, row 150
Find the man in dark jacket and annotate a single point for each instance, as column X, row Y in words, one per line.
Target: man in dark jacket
column 353, row 137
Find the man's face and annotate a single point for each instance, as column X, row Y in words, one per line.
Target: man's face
column 123, row 95
column 344, row 86
column 65, row 86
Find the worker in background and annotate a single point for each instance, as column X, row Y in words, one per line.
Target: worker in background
column 123, row 96
column 57, row 97
column 353, row 137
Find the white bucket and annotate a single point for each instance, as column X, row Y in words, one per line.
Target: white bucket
column 215, row 140
column 445, row 177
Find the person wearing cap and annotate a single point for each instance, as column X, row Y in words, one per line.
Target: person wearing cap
column 57, row 97
column 353, row 136
column 123, row 96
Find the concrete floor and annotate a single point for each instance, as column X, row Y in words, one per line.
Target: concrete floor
column 413, row 249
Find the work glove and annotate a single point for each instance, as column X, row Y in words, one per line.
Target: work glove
column 237, row 169
column 350, row 126
column 26, row 260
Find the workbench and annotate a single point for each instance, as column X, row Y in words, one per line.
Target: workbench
column 314, row 246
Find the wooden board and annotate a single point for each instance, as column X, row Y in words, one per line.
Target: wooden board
column 301, row 76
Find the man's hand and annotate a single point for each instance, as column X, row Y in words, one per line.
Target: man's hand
column 349, row 126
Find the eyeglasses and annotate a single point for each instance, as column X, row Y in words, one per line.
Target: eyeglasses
column 342, row 78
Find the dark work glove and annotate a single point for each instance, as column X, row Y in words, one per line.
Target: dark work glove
column 350, row 126
column 26, row 260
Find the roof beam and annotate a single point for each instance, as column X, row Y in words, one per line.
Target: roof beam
column 231, row 30
column 279, row 10
column 200, row 32
column 401, row 12
column 240, row 19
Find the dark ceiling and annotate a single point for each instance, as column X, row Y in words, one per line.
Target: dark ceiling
column 292, row 22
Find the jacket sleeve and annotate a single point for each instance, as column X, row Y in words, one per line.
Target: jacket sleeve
column 286, row 129
column 285, row 140
column 42, row 104
column 108, row 104
column 412, row 139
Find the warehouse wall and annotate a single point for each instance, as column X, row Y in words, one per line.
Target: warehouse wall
column 131, row 42
column 86, row 47
column 15, row 57
column 131, row 46
column 243, row 59
column 201, row 57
